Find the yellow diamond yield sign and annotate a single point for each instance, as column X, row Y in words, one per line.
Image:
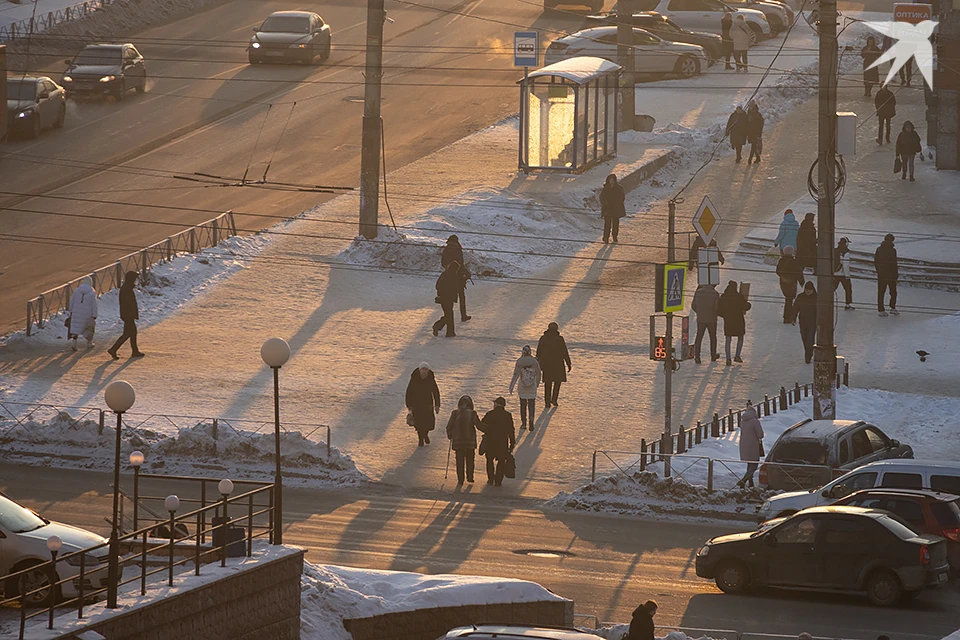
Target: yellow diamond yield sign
column 707, row 220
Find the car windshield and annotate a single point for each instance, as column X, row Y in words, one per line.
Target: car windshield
column 17, row 519
column 98, row 58
column 286, row 24
column 21, row 90
column 801, row 452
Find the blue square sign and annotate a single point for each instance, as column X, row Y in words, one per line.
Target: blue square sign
column 526, row 49
column 674, row 276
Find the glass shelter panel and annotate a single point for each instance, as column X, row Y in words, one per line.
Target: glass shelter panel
column 550, row 139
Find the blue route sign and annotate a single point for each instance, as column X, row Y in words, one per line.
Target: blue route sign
column 526, row 49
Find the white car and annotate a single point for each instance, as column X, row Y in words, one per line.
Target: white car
column 23, row 544
column 652, row 54
column 705, row 15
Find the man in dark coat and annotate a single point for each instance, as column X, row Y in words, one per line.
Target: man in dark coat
column 552, row 355
column 705, row 302
column 423, row 401
column 726, row 41
column 612, row 209
column 791, row 276
column 695, row 248
column 908, row 145
column 641, row 627
column 754, row 131
column 733, row 309
column 462, row 432
column 499, row 438
column 888, row 272
column 448, row 288
column 886, row 104
column 129, row 313
column 807, row 315
column 871, row 77
column 737, row 130
column 453, row 252
column 807, row 243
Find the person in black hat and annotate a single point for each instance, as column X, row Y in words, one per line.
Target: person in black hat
column 552, row 354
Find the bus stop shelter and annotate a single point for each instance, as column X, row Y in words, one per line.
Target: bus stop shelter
column 568, row 115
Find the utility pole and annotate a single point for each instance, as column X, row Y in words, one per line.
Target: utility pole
column 370, row 135
column 825, row 351
column 627, row 60
column 668, row 364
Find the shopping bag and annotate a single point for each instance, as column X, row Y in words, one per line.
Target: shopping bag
column 483, row 446
column 410, row 421
column 897, row 165
column 509, row 466
column 772, row 256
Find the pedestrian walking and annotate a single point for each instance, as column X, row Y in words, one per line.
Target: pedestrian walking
column 453, row 252
column 885, row 103
column 462, row 432
column 807, row 315
column 705, row 302
column 449, row 286
column 641, row 626
column 737, row 130
column 841, row 271
column 82, row 320
column 751, row 443
column 871, row 77
column 498, row 440
column 527, row 372
column 612, row 209
column 726, row 41
column 791, row 276
column 787, row 236
column 908, row 145
column 887, row 266
column 807, row 244
column 906, row 72
column 740, row 35
column 129, row 314
column 754, row 131
column 697, row 245
column 553, row 355
column 733, row 309
column 423, row 401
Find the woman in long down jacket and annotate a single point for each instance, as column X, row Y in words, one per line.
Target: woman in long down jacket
column 527, row 372
column 83, row 314
column 552, row 354
column 462, row 432
column 737, row 130
column 807, row 243
column 733, row 309
column 423, row 400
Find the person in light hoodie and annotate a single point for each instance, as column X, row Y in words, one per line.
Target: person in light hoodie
column 83, row 314
column 527, row 372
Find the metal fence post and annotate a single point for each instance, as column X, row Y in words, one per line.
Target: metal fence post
column 681, row 440
column 806, row 391
column 643, row 454
column 846, row 374
column 783, row 398
column 328, row 442
column 715, row 427
column 766, row 404
column 215, row 428
column 729, row 419
column 796, row 392
column 100, row 426
column 29, row 316
column 196, row 550
column 593, row 472
column 699, row 432
column 709, row 474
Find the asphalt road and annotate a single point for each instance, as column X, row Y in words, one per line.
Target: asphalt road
column 206, row 110
column 605, row 564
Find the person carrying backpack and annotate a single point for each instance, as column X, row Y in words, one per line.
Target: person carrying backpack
column 841, row 271
column 527, row 372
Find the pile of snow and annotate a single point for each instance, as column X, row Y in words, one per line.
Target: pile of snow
column 503, row 235
column 64, row 441
column 647, row 493
column 331, row 594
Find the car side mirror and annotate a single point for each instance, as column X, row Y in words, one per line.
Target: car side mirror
column 894, row 444
column 256, row 29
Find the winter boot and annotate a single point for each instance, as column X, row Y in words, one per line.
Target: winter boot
column 73, row 345
column 697, row 359
column 883, row 314
column 714, row 357
column 729, row 362
column 894, row 312
column 738, row 359
column 426, row 438
column 849, row 307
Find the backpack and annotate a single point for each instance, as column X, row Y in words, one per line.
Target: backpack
column 528, row 376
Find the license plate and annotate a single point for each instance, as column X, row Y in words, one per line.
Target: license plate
column 942, row 577
column 275, row 53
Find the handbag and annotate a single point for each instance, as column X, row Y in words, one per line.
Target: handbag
column 509, row 466
column 897, row 165
column 762, row 453
column 410, row 420
column 483, row 445
column 772, row 256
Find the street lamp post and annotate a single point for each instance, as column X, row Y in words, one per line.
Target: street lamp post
column 171, row 504
column 54, row 543
column 136, row 459
column 225, row 487
column 119, row 396
column 275, row 353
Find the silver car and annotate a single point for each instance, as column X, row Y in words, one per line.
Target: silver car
column 23, row 544
column 652, row 54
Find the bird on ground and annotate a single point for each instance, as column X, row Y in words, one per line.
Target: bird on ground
column 923, row 355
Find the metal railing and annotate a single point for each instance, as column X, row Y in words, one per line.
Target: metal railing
column 206, row 234
column 30, row 26
column 256, row 504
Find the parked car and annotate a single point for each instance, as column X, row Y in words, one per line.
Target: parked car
column 23, row 544
column 662, row 26
column 896, row 474
column 779, row 15
column 34, row 104
column 924, row 510
column 841, row 445
column 506, row 631
column 705, row 15
column 105, row 69
column 651, row 53
column 830, row 549
column 295, row 36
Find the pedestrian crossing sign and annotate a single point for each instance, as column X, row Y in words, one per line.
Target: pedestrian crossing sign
column 670, row 280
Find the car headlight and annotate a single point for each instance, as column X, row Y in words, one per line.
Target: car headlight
column 704, row 550
column 255, row 45
column 67, row 79
column 26, row 113
column 108, row 78
column 89, row 560
column 301, row 46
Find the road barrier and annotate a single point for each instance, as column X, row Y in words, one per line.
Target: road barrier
column 33, row 25
column 206, row 234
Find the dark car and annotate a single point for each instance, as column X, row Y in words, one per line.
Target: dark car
column 823, row 450
column 291, row 36
column 105, row 69
column 668, row 30
column 924, row 510
column 830, row 549
column 34, row 104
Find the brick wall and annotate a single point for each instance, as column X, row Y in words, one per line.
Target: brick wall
column 430, row 624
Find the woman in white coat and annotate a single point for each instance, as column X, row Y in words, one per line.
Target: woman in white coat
column 83, row 314
column 527, row 372
column 740, row 34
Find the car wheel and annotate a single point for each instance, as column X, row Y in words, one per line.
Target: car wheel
column 732, row 576
column 883, row 588
column 61, row 118
column 35, row 126
column 253, row 59
column 142, row 87
column 776, row 25
column 326, row 52
column 756, row 34
column 688, row 66
column 121, row 90
column 42, row 580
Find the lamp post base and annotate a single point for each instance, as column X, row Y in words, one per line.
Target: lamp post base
column 824, row 382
